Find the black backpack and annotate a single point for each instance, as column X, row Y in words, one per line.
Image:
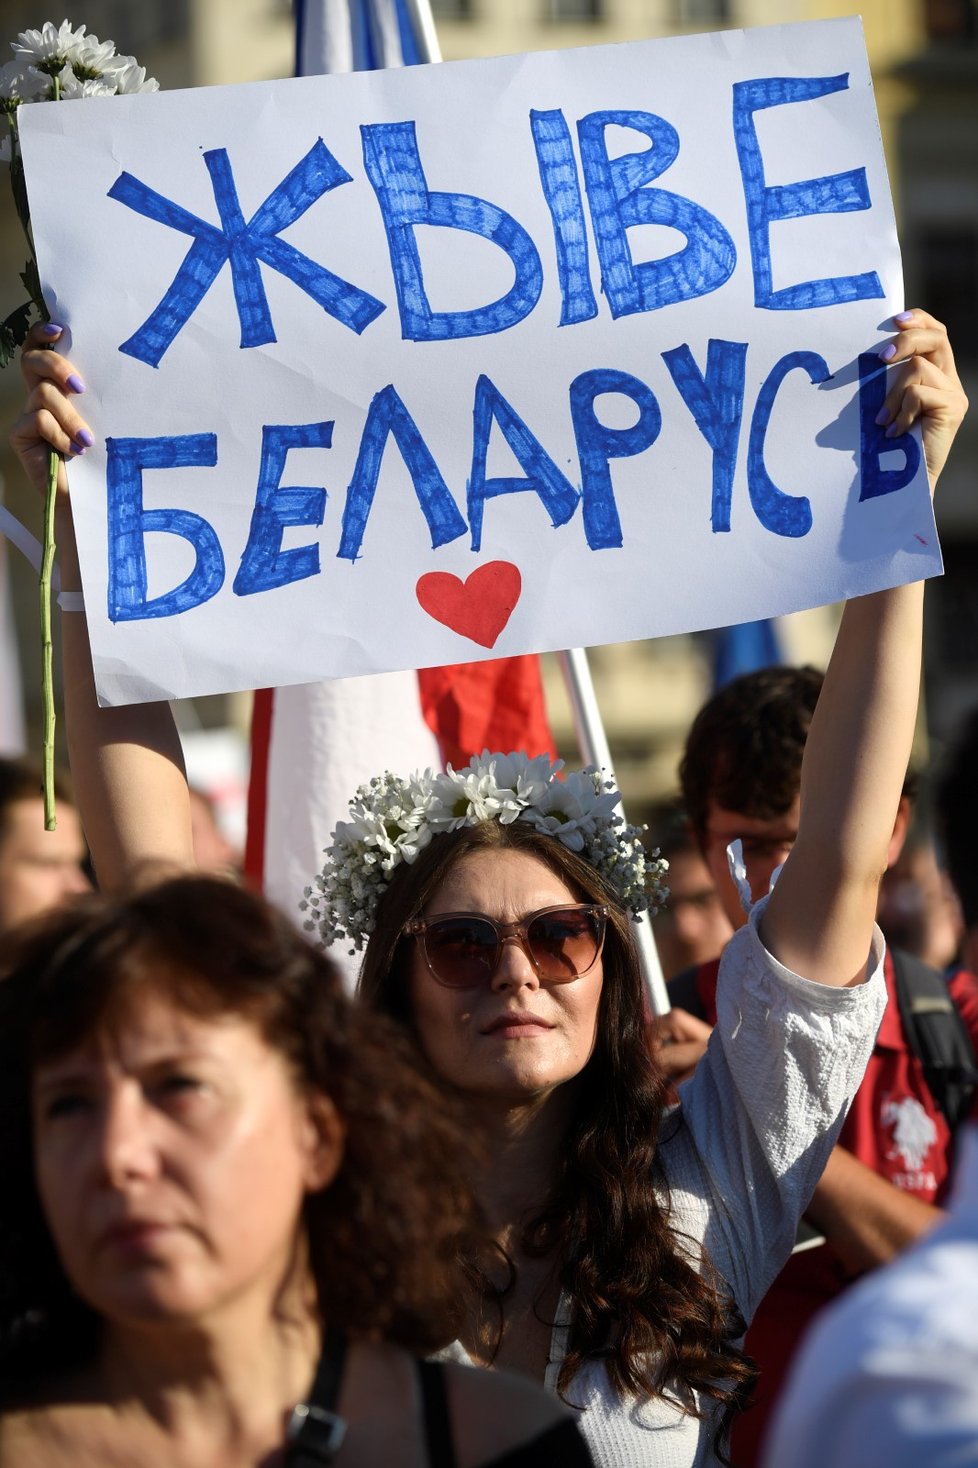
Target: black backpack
column 937, row 1035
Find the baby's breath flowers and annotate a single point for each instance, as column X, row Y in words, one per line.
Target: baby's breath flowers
column 394, row 819
column 53, row 64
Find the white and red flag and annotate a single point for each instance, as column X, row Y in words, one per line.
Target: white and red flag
column 313, row 744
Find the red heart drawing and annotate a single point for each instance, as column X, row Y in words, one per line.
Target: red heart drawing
column 478, row 607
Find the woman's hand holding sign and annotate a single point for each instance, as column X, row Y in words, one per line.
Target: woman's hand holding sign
column 926, row 390
column 50, row 418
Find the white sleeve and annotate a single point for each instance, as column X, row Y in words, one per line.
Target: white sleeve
column 757, row 1121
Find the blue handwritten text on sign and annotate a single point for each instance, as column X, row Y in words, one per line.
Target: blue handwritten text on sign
column 715, row 400
column 620, row 195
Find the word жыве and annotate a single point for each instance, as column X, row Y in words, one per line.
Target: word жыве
column 715, row 398
column 618, row 196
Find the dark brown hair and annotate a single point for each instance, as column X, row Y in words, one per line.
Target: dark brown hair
column 745, row 746
column 385, row 1238
column 663, row 1328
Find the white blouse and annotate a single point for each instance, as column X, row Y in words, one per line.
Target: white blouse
column 741, row 1154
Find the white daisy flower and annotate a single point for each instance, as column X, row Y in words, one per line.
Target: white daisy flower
column 50, row 48
column 131, row 77
column 465, row 797
column 18, row 83
column 572, row 809
column 559, row 812
column 527, row 778
column 91, row 59
column 72, row 87
column 411, row 843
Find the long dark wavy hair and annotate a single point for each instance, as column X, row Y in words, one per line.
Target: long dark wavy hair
column 664, row 1328
column 385, row 1238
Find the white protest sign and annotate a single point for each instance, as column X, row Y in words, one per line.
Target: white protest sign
column 405, row 368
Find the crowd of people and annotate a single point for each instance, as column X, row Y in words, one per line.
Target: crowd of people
column 486, row 1212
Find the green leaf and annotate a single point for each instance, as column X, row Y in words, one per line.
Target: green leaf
column 32, row 280
column 13, row 331
column 19, row 188
column 8, row 347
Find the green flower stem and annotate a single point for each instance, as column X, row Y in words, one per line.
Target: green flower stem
column 47, row 650
column 50, row 500
column 47, row 567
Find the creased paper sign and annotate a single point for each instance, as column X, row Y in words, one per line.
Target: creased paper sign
column 405, row 368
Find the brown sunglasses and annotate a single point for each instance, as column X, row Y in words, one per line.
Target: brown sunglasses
column 463, row 949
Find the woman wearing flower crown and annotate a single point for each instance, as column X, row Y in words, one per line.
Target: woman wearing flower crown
column 634, row 1242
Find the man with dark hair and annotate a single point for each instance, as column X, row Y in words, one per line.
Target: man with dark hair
column 741, row 780
column 889, row 1377
column 741, row 774
column 38, row 868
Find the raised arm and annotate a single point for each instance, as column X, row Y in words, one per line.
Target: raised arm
column 126, row 763
column 820, row 916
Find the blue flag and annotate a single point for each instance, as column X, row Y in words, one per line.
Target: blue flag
column 744, row 649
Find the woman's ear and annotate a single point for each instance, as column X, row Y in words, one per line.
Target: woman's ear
column 324, row 1141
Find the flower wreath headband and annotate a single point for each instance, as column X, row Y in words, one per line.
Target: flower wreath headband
column 395, row 819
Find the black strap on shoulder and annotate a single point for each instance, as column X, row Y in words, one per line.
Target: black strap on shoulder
column 437, row 1426
column 315, row 1432
column 937, row 1035
column 684, row 992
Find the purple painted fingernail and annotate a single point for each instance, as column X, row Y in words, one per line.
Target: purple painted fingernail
column 51, row 329
column 75, row 383
column 892, row 431
column 883, row 416
column 888, row 352
column 86, row 437
column 903, row 317
column 77, row 448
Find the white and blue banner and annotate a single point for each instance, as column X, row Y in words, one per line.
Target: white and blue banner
column 408, row 367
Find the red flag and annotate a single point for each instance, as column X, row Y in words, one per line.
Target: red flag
column 497, row 704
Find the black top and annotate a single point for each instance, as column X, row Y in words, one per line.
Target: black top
column 560, row 1446
column 316, row 1432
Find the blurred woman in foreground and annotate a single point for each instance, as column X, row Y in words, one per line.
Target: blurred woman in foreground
column 231, row 1209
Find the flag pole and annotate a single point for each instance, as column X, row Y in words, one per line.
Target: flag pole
column 593, row 745
column 423, row 27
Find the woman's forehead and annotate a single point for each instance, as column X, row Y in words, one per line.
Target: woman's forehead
column 147, row 1026
column 514, row 882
